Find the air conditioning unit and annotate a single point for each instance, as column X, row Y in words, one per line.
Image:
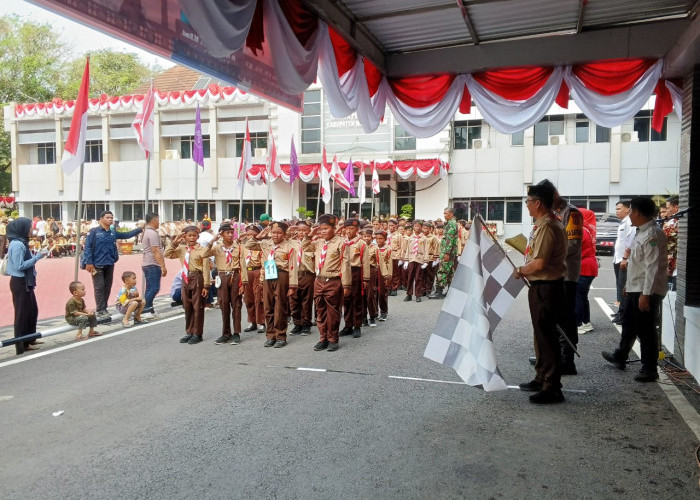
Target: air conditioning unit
column 172, row 154
column 556, row 140
column 629, row 137
column 480, row 144
column 260, row 152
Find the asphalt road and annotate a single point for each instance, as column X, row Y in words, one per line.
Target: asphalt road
column 147, row 417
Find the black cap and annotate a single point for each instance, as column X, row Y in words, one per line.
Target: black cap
column 352, row 222
column 225, row 226
column 328, row 219
column 283, row 226
column 254, row 227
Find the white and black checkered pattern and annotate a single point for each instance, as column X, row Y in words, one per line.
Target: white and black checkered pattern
column 482, row 291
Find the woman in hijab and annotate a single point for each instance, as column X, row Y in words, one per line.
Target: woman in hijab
column 20, row 267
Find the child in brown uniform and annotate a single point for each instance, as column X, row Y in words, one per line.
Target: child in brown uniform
column 359, row 263
column 196, row 279
column 371, row 306
column 253, row 295
column 384, row 280
column 281, row 280
column 233, row 277
column 302, row 302
column 416, row 254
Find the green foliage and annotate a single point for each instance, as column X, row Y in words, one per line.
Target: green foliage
column 5, row 163
column 407, row 211
column 303, row 213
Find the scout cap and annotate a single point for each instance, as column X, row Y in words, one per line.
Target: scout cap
column 280, row 225
column 381, row 233
column 352, row 222
column 225, row 226
column 254, row 227
column 328, row 219
column 189, row 229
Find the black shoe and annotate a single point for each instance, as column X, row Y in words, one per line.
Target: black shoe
column 407, row 298
column 568, row 369
column 305, row 330
column 382, row 317
column 186, row 339
column 148, row 310
column 532, row 360
column 372, row 322
column 646, row 376
column 321, row 346
column 224, row 339
column 296, row 330
column 365, row 323
column 418, row 299
column 269, row 343
column 261, row 329
column 356, row 333
column 280, row 343
column 617, row 321
column 610, row 358
column 236, row 339
column 333, row 346
column 437, row 294
column 196, row 339
column 392, row 293
column 251, row 328
column 176, row 303
column 547, row 397
column 345, row 331
column 532, row 386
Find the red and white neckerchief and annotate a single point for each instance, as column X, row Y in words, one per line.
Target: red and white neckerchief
column 272, row 252
column 416, row 242
column 186, row 266
column 229, row 256
column 322, row 258
column 529, row 240
column 248, row 256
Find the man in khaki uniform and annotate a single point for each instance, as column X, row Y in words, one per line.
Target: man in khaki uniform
column 545, row 265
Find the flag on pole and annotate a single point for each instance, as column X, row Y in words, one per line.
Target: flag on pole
column 274, row 170
column 375, row 179
column 293, row 164
column 482, row 291
column 246, row 158
column 325, row 179
column 362, row 194
column 198, row 146
column 74, row 150
column 143, row 123
column 349, row 175
column 337, row 175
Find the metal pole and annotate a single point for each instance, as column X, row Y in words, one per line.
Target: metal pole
column 291, row 201
column 332, row 197
column 196, row 182
column 371, row 216
column 318, row 198
column 78, row 248
column 240, row 210
column 267, row 199
column 148, row 182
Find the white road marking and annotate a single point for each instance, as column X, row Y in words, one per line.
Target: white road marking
column 311, row 369
column 577, row 391
column 88, row 341
column 427, row 380
column 687, row 412
column 6, row 398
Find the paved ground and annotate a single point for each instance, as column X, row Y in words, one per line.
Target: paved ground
column 146, row 417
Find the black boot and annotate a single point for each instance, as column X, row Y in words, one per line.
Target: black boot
column 437, row 294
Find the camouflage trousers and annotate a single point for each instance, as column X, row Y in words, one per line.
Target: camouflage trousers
column 445, row 273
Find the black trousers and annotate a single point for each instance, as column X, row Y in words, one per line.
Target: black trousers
column 620, row 281
column 102, row 282
column 568, row 322
column 546, row 301
column 26, row 310
column 640, row 324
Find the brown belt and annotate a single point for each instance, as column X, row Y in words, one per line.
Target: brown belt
column 194, row 273
column 253, row 268
column 329, row 279
column 224, row 273
column 303, row 273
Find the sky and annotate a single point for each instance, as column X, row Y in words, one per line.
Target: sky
column 79, row 37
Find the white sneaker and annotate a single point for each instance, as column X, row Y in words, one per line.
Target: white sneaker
column 585, row 328
column 150, row 315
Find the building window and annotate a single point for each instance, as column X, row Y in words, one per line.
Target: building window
column 465, row 133
column 597, row 205
column 187, row 145
column 252, row 210
column 93, row 151
column 133, row 210
column 518, row 138
column 311, row 122
column 549, row 126
column 514, row 212
column 602, row 134
column 184, row 210
column 582, row 129
column 403, row 141
column 91, row 210
column 258, row 140
column 508, row 210
column 47, row 153
column 642, row 125
column 46, row 210
column 406, row 195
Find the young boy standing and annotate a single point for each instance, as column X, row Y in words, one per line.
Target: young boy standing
column 370, row 297
column 432, row 248
column 384, row 280
column 302, row 302
column 253, row 290
column 77, row 314
column 416, row 257
column 233, row 276
column 405, row 240
column 394, row 241
column 359, row 264
column 196, row 279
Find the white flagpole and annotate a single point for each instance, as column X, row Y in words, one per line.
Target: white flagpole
column 240, row 209
column 291, row 200
column 371, row 217
column 196, row 182
column 78, row 248
column 332, row 196
column 318, row 199
column 148, row 182
column 267, row 199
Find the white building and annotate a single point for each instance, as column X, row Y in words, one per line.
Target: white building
column 488, row 172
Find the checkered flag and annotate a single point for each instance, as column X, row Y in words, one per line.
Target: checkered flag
column 482, row 291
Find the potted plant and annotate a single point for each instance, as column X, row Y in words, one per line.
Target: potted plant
column 126, row 247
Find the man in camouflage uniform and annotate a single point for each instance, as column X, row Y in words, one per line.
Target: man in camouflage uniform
column 448, row 255
column 670, row 228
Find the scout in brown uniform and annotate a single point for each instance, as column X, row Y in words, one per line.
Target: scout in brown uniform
column 384, row 258
column 359, row 263
column 394, row 242
column 416, row 256
column 196, row 278
column 371, row 305
column 545, row 265
column 228, row 255
column 253, row 295
column 280, row 268
column 407, row 234
column 432, row 248
column 333, row 279
column 303, row 302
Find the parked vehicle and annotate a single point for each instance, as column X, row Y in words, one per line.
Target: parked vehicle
column 606, row 234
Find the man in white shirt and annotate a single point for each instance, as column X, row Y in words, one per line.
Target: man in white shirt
column 646, row 287
column 623, row 243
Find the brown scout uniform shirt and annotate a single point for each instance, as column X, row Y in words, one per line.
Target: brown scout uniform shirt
column 236, row 264
column 198, row 262
column 285, row 257
column 395, row 243
column 359, row 255
column 422, row 255
column 432, row 245
column 306, row 262
column 384, row 256
column 548, row 241
column 337, row 262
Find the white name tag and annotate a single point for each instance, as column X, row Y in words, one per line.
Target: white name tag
column 270, row 270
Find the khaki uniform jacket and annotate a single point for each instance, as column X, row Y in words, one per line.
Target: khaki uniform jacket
column 218, row 251
column 548, row 241
column 432, row 247
column 305, row 258
column 421, row 255
column 395, row 241
column 285, row 255
column 337, row 261
column 359, row 255
column 384, row 256
column 198, row 261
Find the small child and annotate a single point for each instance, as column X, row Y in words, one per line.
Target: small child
column 129, row 300
column 77, row 314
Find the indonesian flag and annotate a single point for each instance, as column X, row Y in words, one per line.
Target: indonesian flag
column 325, row 180
column 362, row 194
column 274, row 170
column 74, row 150
column 143, row 123
column 246, row 158
column 375, row 179
column 337, row 175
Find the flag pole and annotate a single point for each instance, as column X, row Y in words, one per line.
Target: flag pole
column 267, row 199
column 148, row 182
column 332, row 196
column 196, row 183
column 291, row 200
column 78, row 248
column 371, row 217
column 318, row 198
column 240, row 208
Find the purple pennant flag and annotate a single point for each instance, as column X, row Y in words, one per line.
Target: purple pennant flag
column 349, row 175
column 198, row 146
column 293, row 164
